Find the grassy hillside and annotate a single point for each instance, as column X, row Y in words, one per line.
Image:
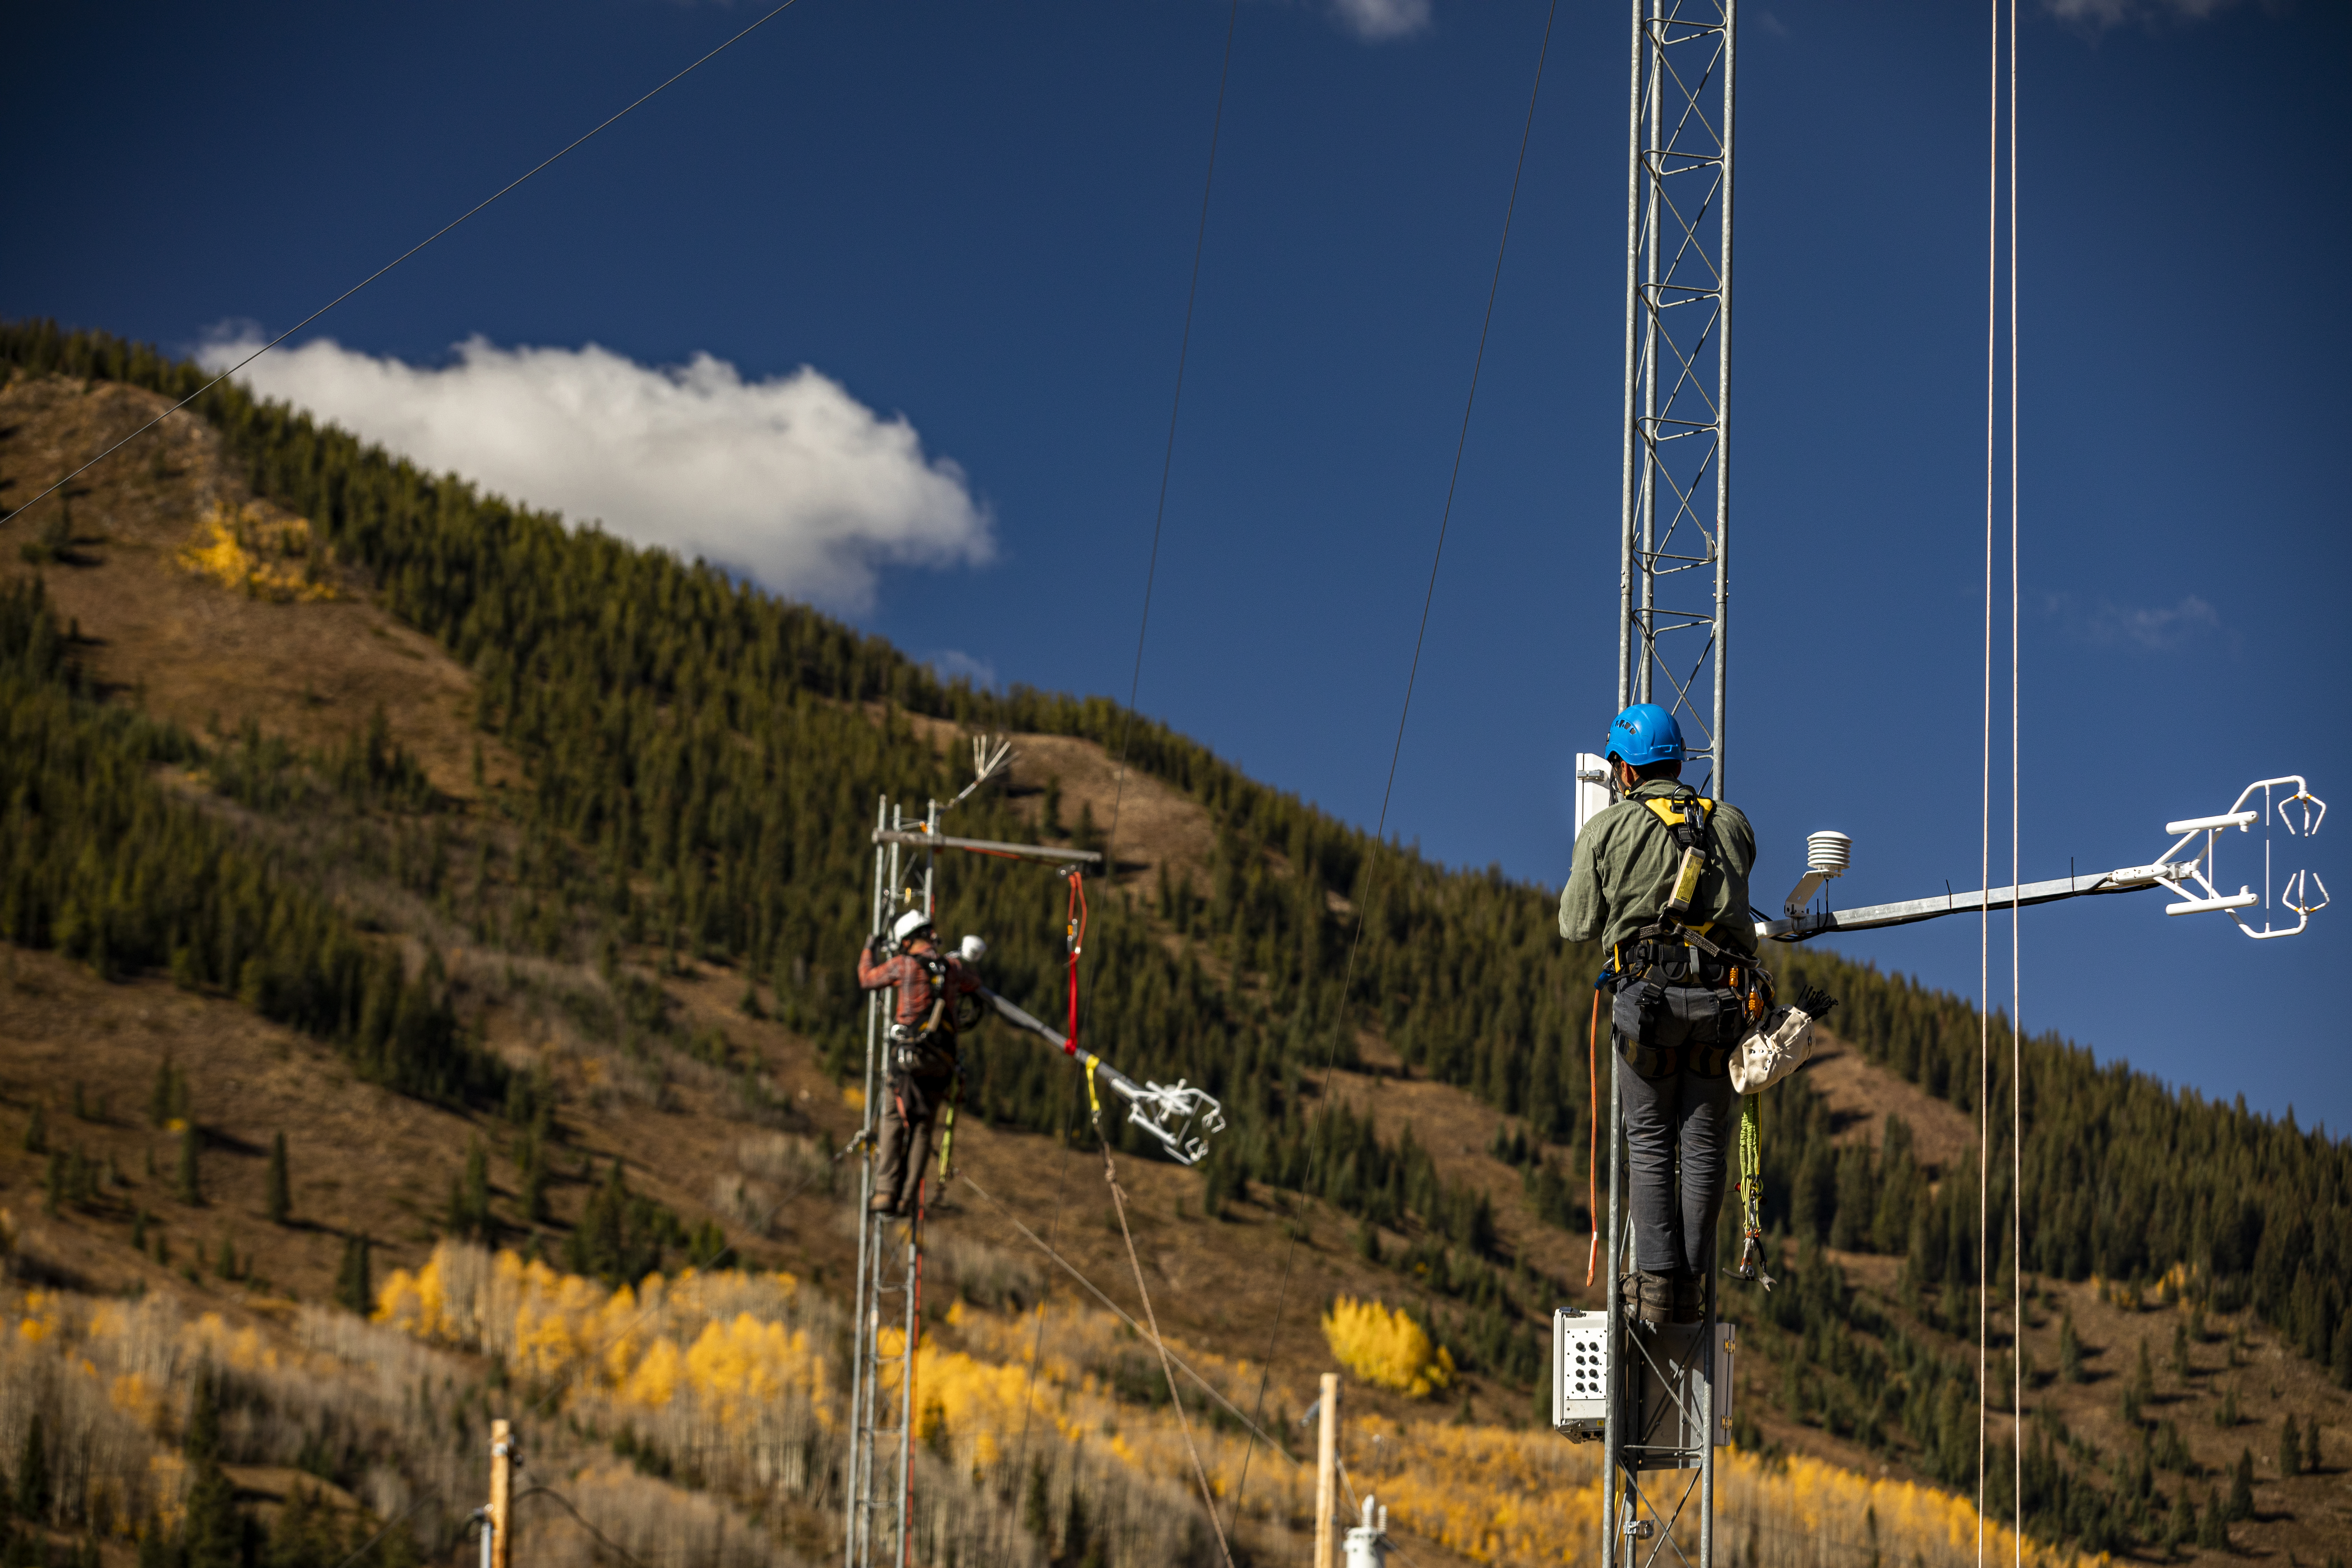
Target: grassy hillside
column 553, row 848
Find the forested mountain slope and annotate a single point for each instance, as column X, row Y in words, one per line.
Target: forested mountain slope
column 614, row 814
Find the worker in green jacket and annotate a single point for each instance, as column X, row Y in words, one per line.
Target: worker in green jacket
column 1661, row 879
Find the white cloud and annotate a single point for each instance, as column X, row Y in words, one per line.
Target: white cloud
column 789, row 479
column 1375, row 21
column 954, row 664
column 2100, row 14
column 2150, row 629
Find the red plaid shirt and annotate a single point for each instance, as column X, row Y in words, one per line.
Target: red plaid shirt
column 916, row 993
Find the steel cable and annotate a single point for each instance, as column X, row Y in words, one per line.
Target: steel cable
column 2016, row 984
column 732, row 41
column 1167, row 455
column 545, row 1400
column 1379, row 830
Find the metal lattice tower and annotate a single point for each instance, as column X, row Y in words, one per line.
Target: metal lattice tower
column 1664, row 1421
column 877, row 1490
column 1673, row 577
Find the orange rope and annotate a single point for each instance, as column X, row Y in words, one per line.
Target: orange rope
column 1592, row 1151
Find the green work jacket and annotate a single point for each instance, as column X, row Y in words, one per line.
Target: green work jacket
column 1624, row 867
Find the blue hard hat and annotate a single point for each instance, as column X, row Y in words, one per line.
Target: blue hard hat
column 1645, row 734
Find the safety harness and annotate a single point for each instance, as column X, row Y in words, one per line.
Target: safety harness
column 1675, row 951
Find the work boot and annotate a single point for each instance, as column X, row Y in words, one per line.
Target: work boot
column 1689, row 1297
column 1649, row 1296
column 881, row 1204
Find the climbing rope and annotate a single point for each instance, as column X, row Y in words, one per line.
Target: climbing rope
column 1183, row 1421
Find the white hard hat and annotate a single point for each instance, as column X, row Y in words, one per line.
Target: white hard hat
column 909, row 924
column 972, row 950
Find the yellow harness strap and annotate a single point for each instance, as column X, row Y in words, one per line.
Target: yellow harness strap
column 1668, row 811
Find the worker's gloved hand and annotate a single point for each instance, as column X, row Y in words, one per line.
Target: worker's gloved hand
column 878, row 942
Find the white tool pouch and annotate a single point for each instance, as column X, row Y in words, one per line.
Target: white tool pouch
column 1772, row 1053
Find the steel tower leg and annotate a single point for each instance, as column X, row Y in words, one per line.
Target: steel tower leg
column 1674, row 594
column 872, row 1524
column 1674, row 575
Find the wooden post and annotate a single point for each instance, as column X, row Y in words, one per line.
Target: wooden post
column 502, row 1493
column 1327, row 1470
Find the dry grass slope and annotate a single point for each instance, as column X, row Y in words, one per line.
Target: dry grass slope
column 268, row 650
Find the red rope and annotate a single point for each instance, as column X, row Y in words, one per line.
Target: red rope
column 914, row 1416
column 1077, row 932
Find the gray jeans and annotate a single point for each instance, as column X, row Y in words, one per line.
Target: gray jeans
column 1680, row 1117
column 910, row 1110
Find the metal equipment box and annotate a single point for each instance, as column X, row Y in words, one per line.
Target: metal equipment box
column 1658, row 1431
column 1581, row 1372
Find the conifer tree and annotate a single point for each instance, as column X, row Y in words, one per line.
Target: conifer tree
column 354, row 1289
column 469, row 1198
column 2241, row 1486
column 2213, row 1526
column 167, row 1098
column 36, row 1130
column 212, row 1529
column 278, row 1196
column 32, row 1479
column 2290, row 1448
column 534, row 1175
column 190, row 1186
column 2143, row 1386
column 1033, row 1502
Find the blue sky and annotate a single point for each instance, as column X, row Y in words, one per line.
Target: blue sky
column 980, row 218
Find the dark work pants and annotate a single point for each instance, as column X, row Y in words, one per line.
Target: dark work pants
column 911, row 1108
column 1680, row 1118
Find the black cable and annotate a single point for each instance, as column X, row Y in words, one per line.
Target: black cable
column 1168, row 456
column 548, row 1398
column 763, row 21
column 1044, row 1290
column 1142, row 630
column 1380, row 831
column 565, row 1503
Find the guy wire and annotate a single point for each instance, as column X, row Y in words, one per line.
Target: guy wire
column 2016, row 984
column 1168, row 456
column 540, row 1409
column 1037, row 1346
column 1984, row 906
column 758, row 22
column 1379, row 830
column 1142, row 630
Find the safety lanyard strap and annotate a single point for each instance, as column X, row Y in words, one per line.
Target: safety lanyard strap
column 1752, row 1191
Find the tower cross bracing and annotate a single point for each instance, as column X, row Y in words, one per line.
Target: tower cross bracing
column 1672, row 580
